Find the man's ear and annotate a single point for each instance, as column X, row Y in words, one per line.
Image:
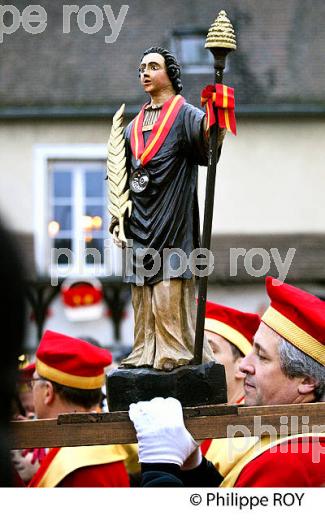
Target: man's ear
column 49, row 393
column 307, row 385
column 238, row 373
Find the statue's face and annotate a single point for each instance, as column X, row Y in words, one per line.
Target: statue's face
column 153, row 74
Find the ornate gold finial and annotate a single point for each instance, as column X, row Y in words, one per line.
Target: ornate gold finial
column 221, row 33
column 117, row 175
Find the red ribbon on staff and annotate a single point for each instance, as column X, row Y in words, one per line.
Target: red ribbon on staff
column 223, row 98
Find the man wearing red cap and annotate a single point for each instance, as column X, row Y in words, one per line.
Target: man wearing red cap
column 287, row 362
column 68, row 378
column 286, row 366
column 230, row 333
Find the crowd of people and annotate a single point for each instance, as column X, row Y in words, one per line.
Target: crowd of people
column 270, row 360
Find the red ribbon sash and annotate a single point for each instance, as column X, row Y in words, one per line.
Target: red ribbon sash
column 46, row 462
column 159, row 132
column 223, row 98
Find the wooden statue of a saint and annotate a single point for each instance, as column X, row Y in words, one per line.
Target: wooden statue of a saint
column 164, row 145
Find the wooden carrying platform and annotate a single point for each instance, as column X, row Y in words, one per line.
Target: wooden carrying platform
column 204, row 422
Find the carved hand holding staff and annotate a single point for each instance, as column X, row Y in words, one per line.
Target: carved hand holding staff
column 117, row 176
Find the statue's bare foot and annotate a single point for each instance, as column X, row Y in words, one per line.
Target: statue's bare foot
column 168, row 366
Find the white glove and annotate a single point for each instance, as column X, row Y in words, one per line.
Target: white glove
column 161, row 433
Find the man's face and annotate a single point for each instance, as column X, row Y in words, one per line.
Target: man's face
column 265, row 383
column 26, row 399
column 153, row 74
column 223, row 353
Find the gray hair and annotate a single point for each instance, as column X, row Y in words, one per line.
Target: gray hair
column 295, row 363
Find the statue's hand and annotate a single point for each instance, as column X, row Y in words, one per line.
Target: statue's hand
column 116, row 239
column 114, row 229
column 113, row 224
column 221, row 135
column 162, row 436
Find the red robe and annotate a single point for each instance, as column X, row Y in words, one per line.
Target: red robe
column 84, row 466
column 296, row 461
column 302, row 466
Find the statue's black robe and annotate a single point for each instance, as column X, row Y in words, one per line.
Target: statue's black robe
column 166, row 214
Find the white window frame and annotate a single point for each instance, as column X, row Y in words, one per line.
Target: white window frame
column 42, row 155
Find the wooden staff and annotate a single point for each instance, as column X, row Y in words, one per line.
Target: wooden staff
column 220, row 41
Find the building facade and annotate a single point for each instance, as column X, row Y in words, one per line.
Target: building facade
column 58, row 92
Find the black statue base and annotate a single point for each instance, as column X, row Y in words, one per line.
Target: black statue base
column 192, row 385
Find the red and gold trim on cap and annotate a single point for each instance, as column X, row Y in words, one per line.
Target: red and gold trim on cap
column 223, row 98
column 62, row 378
column 227, row 332
column 168, row 114
column 294, row 334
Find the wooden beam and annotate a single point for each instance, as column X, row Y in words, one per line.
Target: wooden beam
column 203, row 422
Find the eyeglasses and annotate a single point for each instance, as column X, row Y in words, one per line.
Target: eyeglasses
column 31, row 383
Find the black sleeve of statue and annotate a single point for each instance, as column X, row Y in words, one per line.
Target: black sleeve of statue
column 195, row 140
column 170, row 475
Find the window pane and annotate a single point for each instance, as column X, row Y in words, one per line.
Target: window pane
column 62, row 184
column 97, row 255
column 78, row 212
column 95, row 182
column 61, row 257
column 62, row 215
column 94, row 218
column 193, row 52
